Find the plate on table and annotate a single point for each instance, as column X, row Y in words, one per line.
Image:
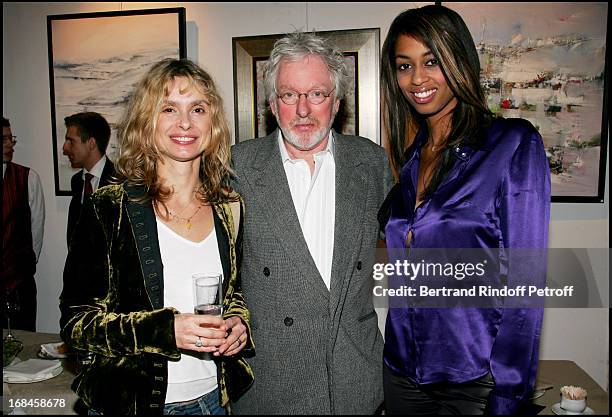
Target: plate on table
column 57, row 350
column 31, row 370
column 11, row 380
column 561, row 412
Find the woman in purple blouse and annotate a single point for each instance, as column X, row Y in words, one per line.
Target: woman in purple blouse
column 467, row 179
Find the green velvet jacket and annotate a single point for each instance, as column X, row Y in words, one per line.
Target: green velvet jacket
column 112, row 305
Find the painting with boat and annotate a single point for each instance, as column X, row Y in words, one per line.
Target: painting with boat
column 547, row 65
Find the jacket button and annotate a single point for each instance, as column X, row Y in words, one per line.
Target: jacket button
column 288, row 321
column 266, row 271
column 359, row 265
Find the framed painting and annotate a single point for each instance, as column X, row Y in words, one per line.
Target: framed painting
column 359, row 110
column 96, row 59
column 548, row 65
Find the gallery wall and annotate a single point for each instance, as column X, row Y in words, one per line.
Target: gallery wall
column 580, row 335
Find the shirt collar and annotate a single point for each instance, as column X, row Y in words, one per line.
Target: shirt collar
column 97, row 169
column 331, row 147
column 461, row 151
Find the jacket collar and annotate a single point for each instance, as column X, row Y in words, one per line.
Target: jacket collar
column 462, row 151
column 144, row 227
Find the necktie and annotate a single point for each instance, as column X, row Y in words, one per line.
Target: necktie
column 88, row 188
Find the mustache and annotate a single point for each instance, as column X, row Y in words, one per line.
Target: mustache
column 307, row 120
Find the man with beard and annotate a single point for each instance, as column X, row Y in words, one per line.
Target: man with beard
column 312, row 196
column 87, row 136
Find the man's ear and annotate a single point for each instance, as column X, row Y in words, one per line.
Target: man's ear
column 91, row 143
column 273, row 108
column 336, row 107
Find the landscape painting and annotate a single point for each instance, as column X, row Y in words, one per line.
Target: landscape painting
column 95, row 61
column 545, row 62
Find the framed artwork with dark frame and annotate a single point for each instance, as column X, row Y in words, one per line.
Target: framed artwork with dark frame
column 549, row 65
column 359, row 110
column 96, row 59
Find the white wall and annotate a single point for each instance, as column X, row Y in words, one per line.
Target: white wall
column 210, row 28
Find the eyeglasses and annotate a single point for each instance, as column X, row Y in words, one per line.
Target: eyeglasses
column 9, row 138
column 313, row 96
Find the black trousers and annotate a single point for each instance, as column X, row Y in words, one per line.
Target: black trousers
column 404, row 397
column 23, row 301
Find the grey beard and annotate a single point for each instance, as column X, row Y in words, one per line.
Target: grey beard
column 314, row 141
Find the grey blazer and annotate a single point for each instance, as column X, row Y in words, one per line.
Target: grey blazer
column 317, row 351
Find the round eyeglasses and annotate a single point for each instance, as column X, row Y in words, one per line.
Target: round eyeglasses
column 9, row 139
column 313, row 96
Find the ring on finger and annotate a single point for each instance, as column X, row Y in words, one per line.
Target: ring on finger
column 198, row 343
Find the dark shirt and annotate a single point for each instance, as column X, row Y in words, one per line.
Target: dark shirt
column 76, row 187
column 497, row 196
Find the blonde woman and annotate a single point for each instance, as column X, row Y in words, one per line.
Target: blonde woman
column 127, row 294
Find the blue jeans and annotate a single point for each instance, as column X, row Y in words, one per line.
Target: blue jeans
column 207, row 404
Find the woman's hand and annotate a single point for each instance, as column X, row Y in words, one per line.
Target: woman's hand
column 190, row 329
column 236, row 339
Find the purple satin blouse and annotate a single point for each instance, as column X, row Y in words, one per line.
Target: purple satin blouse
column 494, row 197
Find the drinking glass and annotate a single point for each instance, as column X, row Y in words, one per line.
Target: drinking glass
column 11, row 307
column 208, row 294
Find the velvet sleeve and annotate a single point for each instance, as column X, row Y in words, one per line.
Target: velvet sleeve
column 88, row 302
column 237, row 305
column 524, row 213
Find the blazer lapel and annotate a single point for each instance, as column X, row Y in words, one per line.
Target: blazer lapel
column 283, row 220
column 144, row 227
column 351, row 192
column 224, row 248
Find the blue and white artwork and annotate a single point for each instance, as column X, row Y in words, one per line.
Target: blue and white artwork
column 97, row 62
column 545, row 62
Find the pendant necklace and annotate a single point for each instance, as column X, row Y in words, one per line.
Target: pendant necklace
column 187, row 220
column 435, row 147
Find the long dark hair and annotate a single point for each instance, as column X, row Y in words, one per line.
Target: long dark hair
column 448, row 38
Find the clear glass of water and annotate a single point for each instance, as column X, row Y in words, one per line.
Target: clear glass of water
column 208, row 293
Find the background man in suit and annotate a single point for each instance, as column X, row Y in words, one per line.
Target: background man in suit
column 23, row 221
column 87, row 136
column 312, row 196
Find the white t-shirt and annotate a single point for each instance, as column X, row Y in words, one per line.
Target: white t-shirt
column 195, row 374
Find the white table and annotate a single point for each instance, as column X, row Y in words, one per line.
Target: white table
column 56, row 389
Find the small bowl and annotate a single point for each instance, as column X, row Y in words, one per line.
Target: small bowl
column 10, row 350
column 572, row 406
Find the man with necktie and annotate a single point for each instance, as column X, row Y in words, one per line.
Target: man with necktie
column 87, row 136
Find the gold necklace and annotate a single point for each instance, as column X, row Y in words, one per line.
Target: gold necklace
column 435, row 147
column 187, row 220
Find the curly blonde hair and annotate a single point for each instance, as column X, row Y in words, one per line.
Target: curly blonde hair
column 138, row 153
